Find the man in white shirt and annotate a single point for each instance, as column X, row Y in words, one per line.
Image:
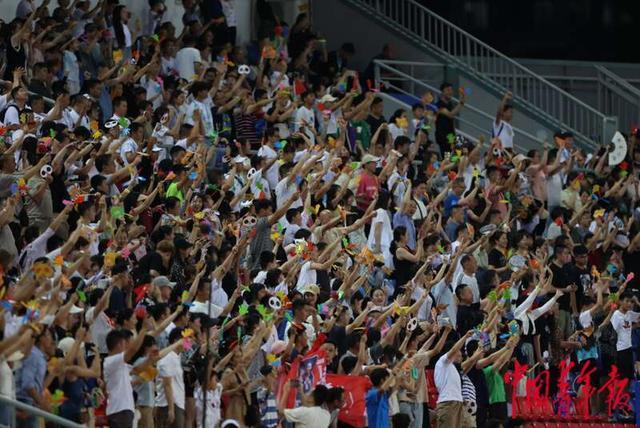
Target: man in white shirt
column 502, row 128
column 117, row 376
column 622, row 322
column 313, row 416
column 188, row 60
column 448, row 381
column 468, row 276
column 294, row 218
column 75, row 115
column 267, row 152
column 130, row 147
column 199, row 109
column 304, row 116
column 170, row 392
column 285, row 189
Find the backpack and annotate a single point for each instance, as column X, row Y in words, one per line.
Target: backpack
column 7, row 107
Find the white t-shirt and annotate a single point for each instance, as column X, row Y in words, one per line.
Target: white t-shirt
column 400, row 186
column 99, row 328
column 504, row 131
column 212, row 403
column 272, row 173
column 284, row 191
column 12, row 117
column 554, row 190
column 382, row 217
column 304, row 114
column 260, row 186
column 290, row 233
column 219, row 297
column 171, row 367
column 7, row 384
column 472, row 282
column 229, row 10
column 622, row 324
column 447, row 380
column 70, row 117
column 185, row 62
column 118, row 379
column 585, row 318
column 127, row 35
column 128, row 146
column 202, row 308
column 154, row 90
column 72, row 71
column 307, row 276
column 168, row 65
column 205, row 115
column 308, row 417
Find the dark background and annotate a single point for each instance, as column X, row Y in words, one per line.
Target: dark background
column 604, row 30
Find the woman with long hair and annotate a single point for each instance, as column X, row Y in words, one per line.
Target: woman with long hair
column 404, row 260
column 123, row 37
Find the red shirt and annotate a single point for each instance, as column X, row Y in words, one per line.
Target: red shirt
column 367, row 190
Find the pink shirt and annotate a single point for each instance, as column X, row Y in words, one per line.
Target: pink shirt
column 367, row 190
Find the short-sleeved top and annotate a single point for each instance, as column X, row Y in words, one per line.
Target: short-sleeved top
column 144, row 389
column 622, row 324
column 170, row 367
column 185, row 62
column 308, row 417
column 307, row 276
column 374, row 123
column 504, row 131
column 175, row 192
column 118, row 379
column 386, row 235
column 261, row 241
column 377, row 408
column 444, row 124
column 272, row 173
column 367, row 190
column 496, row 385
column 127, row 147
column 447, row 380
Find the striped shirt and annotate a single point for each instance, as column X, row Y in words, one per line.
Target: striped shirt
column 469, row 395
column 268, row 409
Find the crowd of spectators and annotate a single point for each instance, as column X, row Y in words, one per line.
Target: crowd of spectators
column 195, row 233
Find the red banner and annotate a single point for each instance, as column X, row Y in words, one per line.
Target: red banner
column 355, row 392
column 309, row 371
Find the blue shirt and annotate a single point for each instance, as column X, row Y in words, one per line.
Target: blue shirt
column 31, row 375
column 377, row 408
column 450, row 229
column 451, row 200
column 401, row 219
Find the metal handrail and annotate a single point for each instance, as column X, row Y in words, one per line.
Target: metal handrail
column 619, row 97
column 38, row 413
column 420, row 63
column 615, row 82
column 385, row 65
column 548, row 100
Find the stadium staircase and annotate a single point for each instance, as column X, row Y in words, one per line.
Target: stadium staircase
column 484, row 70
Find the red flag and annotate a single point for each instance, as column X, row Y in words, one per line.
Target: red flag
column 355, row 393
column 309, row 370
